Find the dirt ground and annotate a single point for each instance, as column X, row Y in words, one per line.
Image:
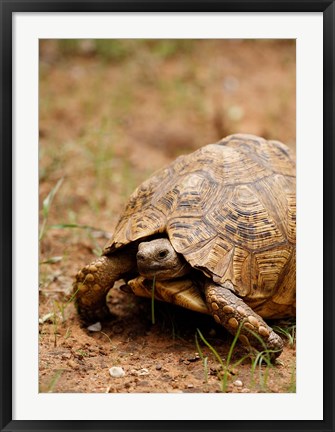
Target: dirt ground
column 111, row 113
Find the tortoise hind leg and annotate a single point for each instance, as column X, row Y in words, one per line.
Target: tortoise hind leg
column 231, row 312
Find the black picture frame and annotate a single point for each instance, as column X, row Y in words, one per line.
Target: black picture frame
column 8, row 8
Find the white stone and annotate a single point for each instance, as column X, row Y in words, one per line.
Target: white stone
column 117, row 372
column 95, row 327
column 49, row 317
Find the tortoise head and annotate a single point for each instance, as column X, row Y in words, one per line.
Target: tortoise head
column 157, row 258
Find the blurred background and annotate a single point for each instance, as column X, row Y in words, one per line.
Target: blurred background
column 114, row 111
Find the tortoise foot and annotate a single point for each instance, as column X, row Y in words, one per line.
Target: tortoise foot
column 236, row 316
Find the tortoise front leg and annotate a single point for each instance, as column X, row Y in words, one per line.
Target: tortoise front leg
column 230, row 311
column 93, row 282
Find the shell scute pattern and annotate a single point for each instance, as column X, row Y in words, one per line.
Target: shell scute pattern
column 273, row 192
column 187, row 233
column 229, row 208
column 141, row 217
column 291, row 217
column 232, row 166
column 245, row 220
column 195, row 192
column 269, row 265
column 271, row 155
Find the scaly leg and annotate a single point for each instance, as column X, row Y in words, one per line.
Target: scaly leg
column 230, row 311
column 95, row 280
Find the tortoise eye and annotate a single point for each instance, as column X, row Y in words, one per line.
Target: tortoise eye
column 163, row 253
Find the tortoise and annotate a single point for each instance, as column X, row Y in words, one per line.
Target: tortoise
column 213, row 232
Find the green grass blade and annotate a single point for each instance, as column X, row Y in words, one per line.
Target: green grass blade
column 216, row 354
column 225, row 366
column 48, row 200
column 79, row 226
column 203, row 358
column 52, row 260
column 47, row 205
column 54, row 380
column 288, row 332
column 232, row 346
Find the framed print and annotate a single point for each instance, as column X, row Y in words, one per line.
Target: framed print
column 182, row 154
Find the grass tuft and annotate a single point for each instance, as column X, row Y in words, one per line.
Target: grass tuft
column 203, row 358
column 288, row 331
column 226, row 365
column 54, row 381
column 47, row 206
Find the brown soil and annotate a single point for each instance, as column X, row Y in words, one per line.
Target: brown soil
column 108, row 119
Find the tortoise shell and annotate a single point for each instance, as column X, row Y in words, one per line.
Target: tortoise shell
column 230, row 209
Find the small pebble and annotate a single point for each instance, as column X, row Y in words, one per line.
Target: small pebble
column 143, row 371
column 66, row 356
column 117, row 372
column 95, row 327
column 158, row 366
column 193, row 359
column 73, row 364
column 49, row 317
column 238, row 383
column 190, row 386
